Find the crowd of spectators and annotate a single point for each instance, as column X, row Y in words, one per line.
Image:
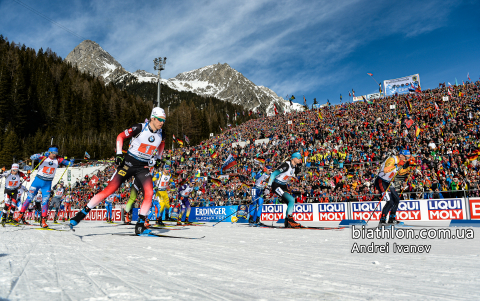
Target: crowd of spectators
column 343, row 147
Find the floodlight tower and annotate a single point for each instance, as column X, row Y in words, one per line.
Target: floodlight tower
column 159, row 64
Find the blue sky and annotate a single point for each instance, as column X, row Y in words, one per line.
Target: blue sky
column 314, row 48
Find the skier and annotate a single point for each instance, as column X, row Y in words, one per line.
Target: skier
column 387, row 173
column 38, row 206
column 68, row 207
column 183, row 193
column 162, row 183
column 258, row 191
column 43, row 181
column 12, row 184
column 58, row 192
column 278, row 183
column 128, row 207
column 108, row 205
column 145, row 150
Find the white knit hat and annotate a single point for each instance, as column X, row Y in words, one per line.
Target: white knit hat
column 158, row 112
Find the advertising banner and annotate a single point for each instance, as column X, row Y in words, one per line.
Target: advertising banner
column 332, row 212
column 374, row 96
column 357, row 98
column 363, row 210
column 474, row 205
column 211, row 214
column 272, row 213
column 446, row 209
column 401, row 85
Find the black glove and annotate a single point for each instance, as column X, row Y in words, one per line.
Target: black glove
column 119, row 159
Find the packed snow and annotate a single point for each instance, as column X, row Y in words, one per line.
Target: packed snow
column 232, row 262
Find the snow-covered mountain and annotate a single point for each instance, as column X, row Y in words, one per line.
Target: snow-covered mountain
column 91, row 58
column 220, row 80
column 226, row 83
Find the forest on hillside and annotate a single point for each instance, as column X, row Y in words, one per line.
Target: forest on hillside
column 42, row 96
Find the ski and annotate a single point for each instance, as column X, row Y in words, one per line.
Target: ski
column 156, row 235
column 303, row 228
column 50, row 229
column 161, row 227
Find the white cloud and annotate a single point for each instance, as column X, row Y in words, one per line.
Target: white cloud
column 289, row 46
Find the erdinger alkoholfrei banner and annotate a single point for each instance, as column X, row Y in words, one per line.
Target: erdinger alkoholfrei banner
column 401, row 85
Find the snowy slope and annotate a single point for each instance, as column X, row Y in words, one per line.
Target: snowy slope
column 232, row 262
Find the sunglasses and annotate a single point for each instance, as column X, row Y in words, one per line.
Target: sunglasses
column 160, row 119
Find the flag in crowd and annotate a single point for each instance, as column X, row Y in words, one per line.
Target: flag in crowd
column 320, row 115
column 340, row 97
column 468, row 76
column 186, row 139
column 217, row 182
column 220, row 128
column 370, row 74
column 229, row 163
column 417, row 131
column 275, row 109
column 259, row 161
column 409, row 105
column 87, row 156
column 180, row 142
column 304, row 100
column 349, row 94
column 214, row 155
column 353, row 93
column 291, row 98
column 174, row 139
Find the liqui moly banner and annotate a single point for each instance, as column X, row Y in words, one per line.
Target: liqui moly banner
column 272, row 213
column 363, row 210
column 446, row 209
column 332, row 212
column 409, row 211
column 303, row 212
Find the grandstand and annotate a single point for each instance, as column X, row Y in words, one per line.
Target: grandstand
column 343, row 146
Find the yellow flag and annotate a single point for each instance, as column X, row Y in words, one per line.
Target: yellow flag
column 320, row 115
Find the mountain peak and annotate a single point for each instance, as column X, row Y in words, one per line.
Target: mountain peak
column 89, row 57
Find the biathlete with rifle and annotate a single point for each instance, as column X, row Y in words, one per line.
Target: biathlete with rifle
column 12, row 185
column 43, row 182
column 145, row 151
column 392, row 167
column 278, row 184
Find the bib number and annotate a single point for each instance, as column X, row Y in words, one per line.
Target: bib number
column 146, row 149
column 279, row 191
column 48, row 170
column 12, row 183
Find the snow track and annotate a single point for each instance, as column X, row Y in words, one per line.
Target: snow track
column 231, row 263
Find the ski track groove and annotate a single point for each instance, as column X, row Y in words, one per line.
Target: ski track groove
column 13, row 285
column 208, row 295
column 113, row 273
